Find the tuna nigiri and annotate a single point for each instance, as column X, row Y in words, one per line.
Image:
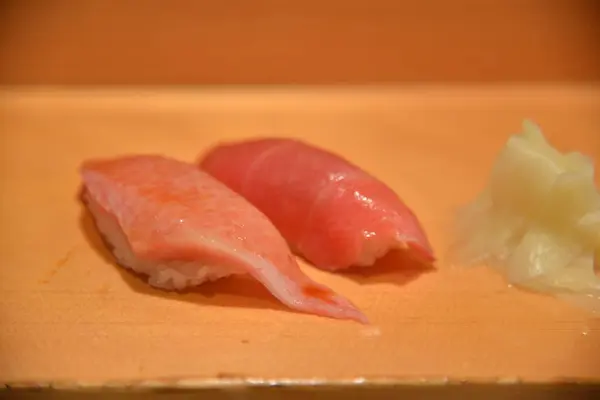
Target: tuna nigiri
column 181, row 227
column 329, row 210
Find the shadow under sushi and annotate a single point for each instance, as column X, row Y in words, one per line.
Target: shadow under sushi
column 395, row 267
column 235, row 291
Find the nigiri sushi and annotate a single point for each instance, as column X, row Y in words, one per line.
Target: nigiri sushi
column 180, row 227
column 331, row 212
column 537, row 221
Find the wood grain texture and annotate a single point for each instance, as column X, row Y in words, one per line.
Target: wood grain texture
column 67, row 313
column 297, row 41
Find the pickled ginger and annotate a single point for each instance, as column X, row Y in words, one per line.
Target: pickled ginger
column 537, row 221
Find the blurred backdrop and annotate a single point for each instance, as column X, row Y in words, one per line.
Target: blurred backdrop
column 297, row 41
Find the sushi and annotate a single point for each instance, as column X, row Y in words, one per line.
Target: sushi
column 537, row 221
column 330, row 211
column 180, row 227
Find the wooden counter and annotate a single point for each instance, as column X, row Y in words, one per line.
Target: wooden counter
column 68, row 314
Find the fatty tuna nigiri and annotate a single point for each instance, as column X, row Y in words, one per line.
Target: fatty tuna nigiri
column 181, row 227
column 329, row 210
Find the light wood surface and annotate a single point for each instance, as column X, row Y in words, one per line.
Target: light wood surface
column 67, row 313
column 297, row 41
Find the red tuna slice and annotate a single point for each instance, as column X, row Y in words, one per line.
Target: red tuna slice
column 181, row 227
column 329, row 210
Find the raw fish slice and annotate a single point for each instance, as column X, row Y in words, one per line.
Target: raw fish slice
column 330, row 211
column 181, row 227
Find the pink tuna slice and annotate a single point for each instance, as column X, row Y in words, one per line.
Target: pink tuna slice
column 179, row 226
column 330, row 211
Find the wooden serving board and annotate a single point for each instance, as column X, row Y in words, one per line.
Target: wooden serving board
column 68, row 314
